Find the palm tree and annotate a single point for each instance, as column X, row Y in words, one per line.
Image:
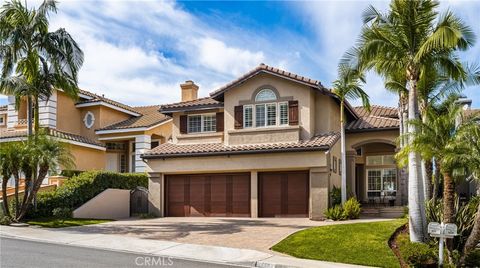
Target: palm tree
column 347, row 86
column 469, row 140
column 408, row 39
column 42, row 60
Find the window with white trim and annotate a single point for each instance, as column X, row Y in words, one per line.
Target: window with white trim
column 247, row 116
column 381, row 181
column 202, row 123
column 265, row 114
column 2, row 120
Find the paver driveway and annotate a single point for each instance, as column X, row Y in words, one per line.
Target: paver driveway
column 258, row 234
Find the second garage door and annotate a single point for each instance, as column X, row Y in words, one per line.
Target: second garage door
column 214, row 195
column 283, row 194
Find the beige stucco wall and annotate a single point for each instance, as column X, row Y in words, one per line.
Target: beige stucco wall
column 87, row 158
column 262, row 135
column 327, row 114
column 335, row 177
column 236, row 163
column 69, row 117
column 109, row 204
column 387, row 136
column 285, row 88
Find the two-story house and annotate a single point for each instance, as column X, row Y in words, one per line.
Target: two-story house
column 102, row 134
column 267, row 145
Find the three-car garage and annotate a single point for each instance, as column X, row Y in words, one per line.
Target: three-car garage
column 280, row 194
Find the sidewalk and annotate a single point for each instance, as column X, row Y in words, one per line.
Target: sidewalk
column 203, row 253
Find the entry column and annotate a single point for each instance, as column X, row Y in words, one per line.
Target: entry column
column 156, row 193
column 254, row 194
column 319, row 192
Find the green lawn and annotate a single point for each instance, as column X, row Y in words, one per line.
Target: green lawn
column 56, row 223
column 358, row 243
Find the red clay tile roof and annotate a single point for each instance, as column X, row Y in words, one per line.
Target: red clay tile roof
column 51, row 132
column 263, row 68
column 201, row 103
column 150, row 116
column 373, row 123
column 377, row 110
column 317, row 143
column 98, row 98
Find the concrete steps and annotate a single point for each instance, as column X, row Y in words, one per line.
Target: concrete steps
column 382, row 212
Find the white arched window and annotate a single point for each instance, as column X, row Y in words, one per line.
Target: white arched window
column 265, row 95
column 267, row 111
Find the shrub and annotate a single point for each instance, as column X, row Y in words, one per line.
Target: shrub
column 336, row 196
column 79, row 189
column 335, row 213
column 70, row 173
column 351, row 209
column 62, row 213
column 473, row 259
column 416, row 254
column 5, row 220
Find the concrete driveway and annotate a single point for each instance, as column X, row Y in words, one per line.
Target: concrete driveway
column 257, row 234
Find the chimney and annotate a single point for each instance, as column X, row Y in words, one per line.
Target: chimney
column 189, row 91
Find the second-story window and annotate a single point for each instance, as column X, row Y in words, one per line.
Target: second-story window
column 267, row 113
column 202, row 123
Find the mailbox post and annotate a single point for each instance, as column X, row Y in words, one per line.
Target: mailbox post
column 442, row 231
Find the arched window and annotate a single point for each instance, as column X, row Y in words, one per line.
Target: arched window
column 265, row 95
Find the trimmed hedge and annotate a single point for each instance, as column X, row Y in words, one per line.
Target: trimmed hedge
column 79, row 189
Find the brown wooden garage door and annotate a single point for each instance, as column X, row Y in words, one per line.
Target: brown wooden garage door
column 283, row 194
column 211, row 195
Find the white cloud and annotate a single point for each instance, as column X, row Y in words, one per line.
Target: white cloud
column 214, row 54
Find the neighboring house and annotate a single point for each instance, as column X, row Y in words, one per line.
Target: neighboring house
column 267, row 145
column 102, row 134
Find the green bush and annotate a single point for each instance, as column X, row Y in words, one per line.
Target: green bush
column 417, row 254
column 335, row 213
column 62, row 213
column 351, row 209
column 473, row 259
column 70, row 173
column 336, row 196
column 5, row 220
column 79, row 189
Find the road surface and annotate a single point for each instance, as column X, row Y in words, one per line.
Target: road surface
column 24, row 253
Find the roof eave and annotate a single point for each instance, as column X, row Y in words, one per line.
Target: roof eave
column 191, row 108
column 283, row 150
column 370, row 129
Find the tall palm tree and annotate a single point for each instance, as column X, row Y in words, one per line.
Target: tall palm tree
column 408, row 39
column 43, row 60
column 348, row 86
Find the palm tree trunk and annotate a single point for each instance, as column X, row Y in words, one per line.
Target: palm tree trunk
column 436, row 180
column 473, row 239
column 448, row 198
column 343, row 154
column 29, row 115
column 416, row 201
column 42, row 172
column 6, row 210
column 17, row 184
column 427, row 177
column 37, row 116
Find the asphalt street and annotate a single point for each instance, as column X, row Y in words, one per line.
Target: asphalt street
column 25, row 253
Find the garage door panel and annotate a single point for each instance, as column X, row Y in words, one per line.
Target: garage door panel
column 176, row 196
column 216, row 195
column 197, row 196
column 284, row 194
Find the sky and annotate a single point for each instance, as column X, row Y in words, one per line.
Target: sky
column 139, row 52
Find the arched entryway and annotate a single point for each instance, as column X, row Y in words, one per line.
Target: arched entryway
column 375, row 178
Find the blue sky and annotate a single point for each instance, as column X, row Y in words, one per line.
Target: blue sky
column 139, row 52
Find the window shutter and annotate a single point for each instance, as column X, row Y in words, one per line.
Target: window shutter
column 293, row 112
column 238, row 117
column 219, row 118
column 183, row 124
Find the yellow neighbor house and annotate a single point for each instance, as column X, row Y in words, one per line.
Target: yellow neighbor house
column 103, row 134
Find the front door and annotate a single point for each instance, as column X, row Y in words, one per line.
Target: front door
column 112, row 162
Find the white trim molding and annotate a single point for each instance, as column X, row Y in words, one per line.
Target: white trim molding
column 102, row 103
column 126, row 130
column 85, row 120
